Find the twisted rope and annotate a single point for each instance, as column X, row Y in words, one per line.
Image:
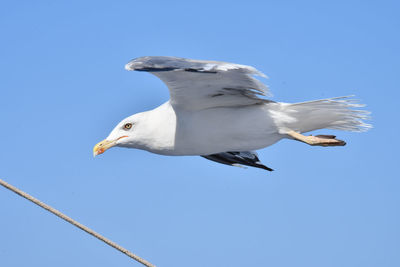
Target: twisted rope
column 75, row 223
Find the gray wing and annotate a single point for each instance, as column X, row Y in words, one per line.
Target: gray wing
column 248, row 158
column 201, row 84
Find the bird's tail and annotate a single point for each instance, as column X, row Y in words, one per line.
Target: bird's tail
column 339, row 113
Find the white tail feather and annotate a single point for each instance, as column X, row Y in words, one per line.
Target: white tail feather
column 333, row 113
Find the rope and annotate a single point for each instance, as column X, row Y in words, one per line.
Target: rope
column 75, row 223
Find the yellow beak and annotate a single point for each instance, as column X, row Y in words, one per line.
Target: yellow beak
column 102, row 146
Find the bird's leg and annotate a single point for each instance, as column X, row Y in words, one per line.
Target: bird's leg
column 318, row 140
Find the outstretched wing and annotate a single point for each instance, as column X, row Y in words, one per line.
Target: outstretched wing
column 201, row 84
column 248, row 158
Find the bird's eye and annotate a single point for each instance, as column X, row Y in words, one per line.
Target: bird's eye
column 127, row 126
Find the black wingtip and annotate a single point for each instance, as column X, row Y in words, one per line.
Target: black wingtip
column 246, row 158
column 261, row 166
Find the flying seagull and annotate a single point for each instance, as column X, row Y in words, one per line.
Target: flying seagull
column 217, row 110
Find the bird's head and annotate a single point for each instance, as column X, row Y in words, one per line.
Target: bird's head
column 125, row 134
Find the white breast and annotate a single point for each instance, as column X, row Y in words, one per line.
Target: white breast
column 180, row 132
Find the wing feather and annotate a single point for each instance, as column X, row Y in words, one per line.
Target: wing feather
column 247, row 158
column 201, row 84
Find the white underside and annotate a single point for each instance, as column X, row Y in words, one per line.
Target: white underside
column 170, row 131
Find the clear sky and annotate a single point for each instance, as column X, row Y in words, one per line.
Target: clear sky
column 64, row 87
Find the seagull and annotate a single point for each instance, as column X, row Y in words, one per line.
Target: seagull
column 218, row 110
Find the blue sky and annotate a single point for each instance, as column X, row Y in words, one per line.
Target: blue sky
column 63, row 88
